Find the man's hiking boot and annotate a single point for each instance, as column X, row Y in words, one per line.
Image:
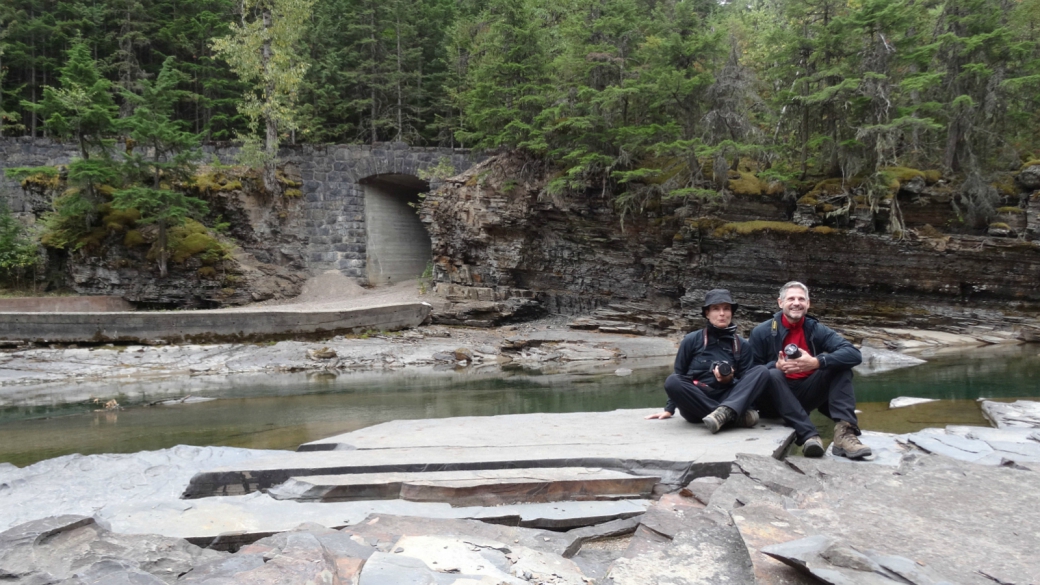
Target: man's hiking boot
column 749, row 419
column 718, row 418
column 813, row 447
column 845, row 442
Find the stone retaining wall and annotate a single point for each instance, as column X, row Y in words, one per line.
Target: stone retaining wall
column 333, row 225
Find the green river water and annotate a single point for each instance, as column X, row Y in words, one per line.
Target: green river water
column 283, row 410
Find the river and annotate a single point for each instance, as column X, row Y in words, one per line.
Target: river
column 281, row 411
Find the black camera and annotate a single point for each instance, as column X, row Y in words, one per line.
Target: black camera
column 792, row 351
column 724, row 368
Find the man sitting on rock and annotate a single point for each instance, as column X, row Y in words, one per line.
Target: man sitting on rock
column 811, row 366
column 714, row 380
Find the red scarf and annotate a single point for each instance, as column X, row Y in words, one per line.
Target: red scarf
column 796, row 335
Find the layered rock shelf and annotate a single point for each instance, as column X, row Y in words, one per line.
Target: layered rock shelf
column 504, row 248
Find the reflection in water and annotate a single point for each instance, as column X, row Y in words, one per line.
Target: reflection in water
column 282, row 411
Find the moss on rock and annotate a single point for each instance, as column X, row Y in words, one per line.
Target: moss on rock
column 1011, row 209
column 187, row 240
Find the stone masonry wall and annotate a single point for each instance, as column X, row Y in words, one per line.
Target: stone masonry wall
column 333, row 211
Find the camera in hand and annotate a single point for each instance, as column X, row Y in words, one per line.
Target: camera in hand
column 792, row 351
column 725, row 369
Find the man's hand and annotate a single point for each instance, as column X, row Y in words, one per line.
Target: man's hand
column 659, row 415
column 805, row 363
column 722, row 379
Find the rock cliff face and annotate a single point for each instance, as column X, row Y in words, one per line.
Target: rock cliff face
column 265, row 260
column 501, row 242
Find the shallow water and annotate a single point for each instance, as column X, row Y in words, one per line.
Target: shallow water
column 282, row 411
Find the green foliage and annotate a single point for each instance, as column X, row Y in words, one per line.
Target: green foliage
column 18, row 251
column 641, row 99
column 438, row 172
column 264, row 52
column 82, row 108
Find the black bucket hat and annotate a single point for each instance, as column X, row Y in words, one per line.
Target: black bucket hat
column 716, row 296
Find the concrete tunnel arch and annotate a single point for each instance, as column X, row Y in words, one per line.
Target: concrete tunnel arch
column 397, row 246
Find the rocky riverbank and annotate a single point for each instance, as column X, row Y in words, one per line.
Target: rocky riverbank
column 932, row 507
column 552, row 345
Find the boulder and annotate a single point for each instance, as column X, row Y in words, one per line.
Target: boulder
column 78, row 549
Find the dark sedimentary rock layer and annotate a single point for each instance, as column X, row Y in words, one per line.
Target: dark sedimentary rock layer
column 496, row 229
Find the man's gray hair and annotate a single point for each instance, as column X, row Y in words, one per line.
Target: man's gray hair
column 793, row 284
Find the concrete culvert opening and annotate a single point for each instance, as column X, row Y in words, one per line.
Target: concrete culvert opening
column 398, row 246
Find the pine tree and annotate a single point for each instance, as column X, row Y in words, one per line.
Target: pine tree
column 506, row 78
column 172, row 152
column 80, row 109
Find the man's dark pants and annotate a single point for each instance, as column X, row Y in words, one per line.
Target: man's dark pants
column 830, row 391
column 696, row 401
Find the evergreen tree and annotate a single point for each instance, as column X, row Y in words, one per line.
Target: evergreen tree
column 80, row 109
column 506, row 78
column 172, row 152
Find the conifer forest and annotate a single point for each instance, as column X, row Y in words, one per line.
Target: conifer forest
column 612, row 92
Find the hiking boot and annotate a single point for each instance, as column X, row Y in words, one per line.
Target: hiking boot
column 813, row 447
column 719, row 417
column 845, row 442
column 749, row 419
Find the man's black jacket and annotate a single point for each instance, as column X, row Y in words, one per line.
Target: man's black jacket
column 831, row 349
column 695, row 358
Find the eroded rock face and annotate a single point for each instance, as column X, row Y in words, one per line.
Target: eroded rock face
column 267, row 262
column 496, row 228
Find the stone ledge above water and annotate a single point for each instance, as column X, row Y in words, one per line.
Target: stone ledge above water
column 621, row 440
column 206, row 326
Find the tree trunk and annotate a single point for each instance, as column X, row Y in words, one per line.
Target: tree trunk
column 162, row 249
column 400, row 101
column 271, row 138
column 372, row 82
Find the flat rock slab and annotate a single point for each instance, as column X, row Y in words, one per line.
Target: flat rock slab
column 89, row 485
column 679, row 542
column 886, row 449
column 445, row 560
column 622, row 440
column 763, row 524
column 1020, row 413
column 832, row 561
column 971, row 524
column 229, row 522
column 904, row 401
column 704, row 552
column 490, row 487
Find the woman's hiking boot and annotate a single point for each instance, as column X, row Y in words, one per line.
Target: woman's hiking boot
column 813, row 447
column 718, row 418
column 749, row 419
column 846, row 444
